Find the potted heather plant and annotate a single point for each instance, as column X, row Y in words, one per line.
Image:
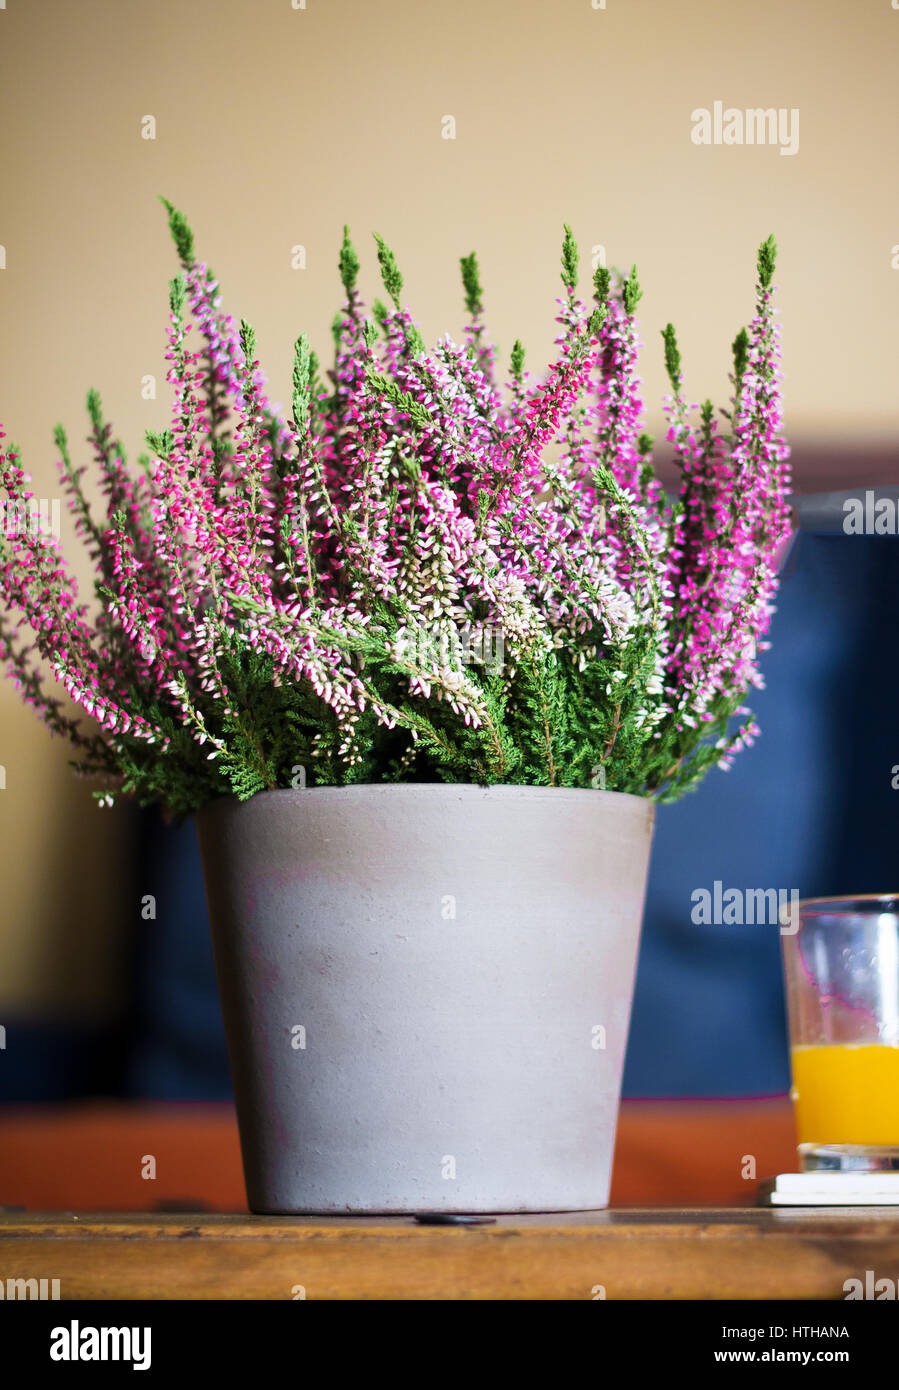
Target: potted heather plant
column 421, row 659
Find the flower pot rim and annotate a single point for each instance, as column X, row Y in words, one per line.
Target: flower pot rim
column 448, row 790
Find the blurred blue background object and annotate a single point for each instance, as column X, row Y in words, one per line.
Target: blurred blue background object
column 809, row 807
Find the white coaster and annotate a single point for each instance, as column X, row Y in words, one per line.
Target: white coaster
column 832, row 1190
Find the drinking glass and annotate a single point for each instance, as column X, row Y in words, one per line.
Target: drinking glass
column 841, row 967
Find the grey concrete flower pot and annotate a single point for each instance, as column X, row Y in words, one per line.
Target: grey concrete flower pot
column 426, row 991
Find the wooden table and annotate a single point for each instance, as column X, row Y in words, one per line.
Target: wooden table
column 682, row 1223
column 737, row 1253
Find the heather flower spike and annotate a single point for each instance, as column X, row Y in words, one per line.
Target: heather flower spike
column 416, row 576
column 348, row 265
column 393, row 280
column 471, row 282
column 569, row 261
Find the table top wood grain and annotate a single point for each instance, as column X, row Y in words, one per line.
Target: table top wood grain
column 689, row 1253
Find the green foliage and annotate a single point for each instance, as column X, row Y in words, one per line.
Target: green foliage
column 569, row 260
column 390, row 274
column 767, row 261
column 182, row 235
column 596, row 320
column 631, row 292
column 415, row 343
column 348, row 264
column 672, row 358
column 402, row 400
column 177, row 293
column 602, row 284
column 302, row 382
column 471, row 283
column 160, row 442
column 248, row 342
column 95, row 410
column 740, row 350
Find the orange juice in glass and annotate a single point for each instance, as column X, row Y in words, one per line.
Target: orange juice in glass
column 841, row 967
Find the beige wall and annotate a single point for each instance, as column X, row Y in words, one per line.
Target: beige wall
column 274, row 126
